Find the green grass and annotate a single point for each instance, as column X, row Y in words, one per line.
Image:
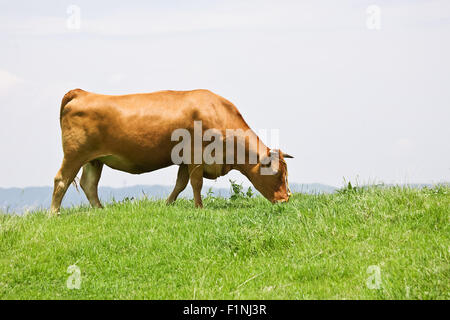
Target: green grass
column 314, row 247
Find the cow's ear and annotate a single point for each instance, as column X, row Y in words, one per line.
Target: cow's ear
column 287, row 156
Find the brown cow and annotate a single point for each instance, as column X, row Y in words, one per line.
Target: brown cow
column 133, row 133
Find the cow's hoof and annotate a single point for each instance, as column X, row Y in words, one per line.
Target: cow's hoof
column 52, row 214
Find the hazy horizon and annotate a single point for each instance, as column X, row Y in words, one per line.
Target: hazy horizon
column 351, row 102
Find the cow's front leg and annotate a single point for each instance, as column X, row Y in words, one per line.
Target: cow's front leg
column 196, row 177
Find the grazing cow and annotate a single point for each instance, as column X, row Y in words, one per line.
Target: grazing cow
column 134, row 133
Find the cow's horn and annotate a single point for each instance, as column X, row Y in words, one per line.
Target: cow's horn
column 288, row 156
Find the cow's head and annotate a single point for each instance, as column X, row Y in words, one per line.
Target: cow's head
column 271, row 180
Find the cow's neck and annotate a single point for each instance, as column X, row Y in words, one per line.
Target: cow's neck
column 252, row 171
column 248, row 170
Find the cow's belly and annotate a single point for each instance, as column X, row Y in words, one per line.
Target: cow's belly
column 130, row 166
column 213, row 171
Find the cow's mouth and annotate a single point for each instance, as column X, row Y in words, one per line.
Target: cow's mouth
column 282, row 200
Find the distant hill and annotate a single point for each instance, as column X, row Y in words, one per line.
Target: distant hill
column 19, row 200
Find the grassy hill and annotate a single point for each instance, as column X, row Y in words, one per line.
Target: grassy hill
column 328, row 246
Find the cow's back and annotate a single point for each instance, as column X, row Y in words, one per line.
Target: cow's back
column 136, row 129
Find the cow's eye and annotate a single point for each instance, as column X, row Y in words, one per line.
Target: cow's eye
column 266, row 165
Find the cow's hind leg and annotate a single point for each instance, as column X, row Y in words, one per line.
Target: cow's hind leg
column 89, row 182
column 182, row 181
column 63, row 179
column 196, row 177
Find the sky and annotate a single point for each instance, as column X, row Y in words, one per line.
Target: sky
column 359, row 90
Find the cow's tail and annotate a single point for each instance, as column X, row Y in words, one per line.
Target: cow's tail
column 69, row 96
column 75, row 183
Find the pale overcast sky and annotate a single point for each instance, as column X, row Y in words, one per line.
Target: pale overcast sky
column 350, row 101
